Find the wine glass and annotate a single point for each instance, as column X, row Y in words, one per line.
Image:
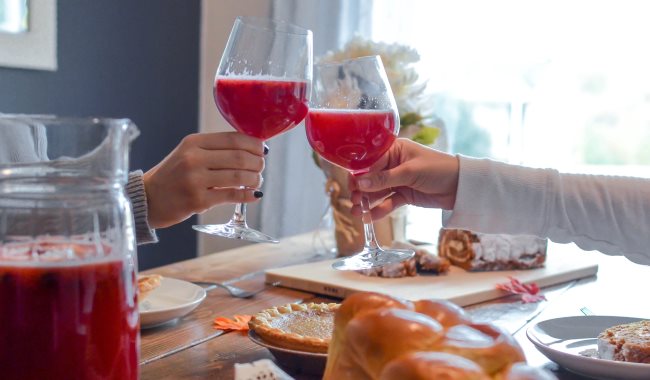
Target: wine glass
column 352, row 122
column 262, row 89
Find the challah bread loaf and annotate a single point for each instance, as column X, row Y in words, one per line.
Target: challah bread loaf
column 432, row 365
column 380, row 337
column 485, row 344
column 445, row 312
column 340, row 363
column 522, row 371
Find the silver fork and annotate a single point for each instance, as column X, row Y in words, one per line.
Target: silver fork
column 585, row 310
column 233, row 290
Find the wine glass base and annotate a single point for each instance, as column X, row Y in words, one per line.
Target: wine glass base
column 367, row 259
column 235, row 232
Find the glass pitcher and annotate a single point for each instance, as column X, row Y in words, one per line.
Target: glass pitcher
column 68, row 306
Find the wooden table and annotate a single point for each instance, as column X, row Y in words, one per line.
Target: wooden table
column 192, row 349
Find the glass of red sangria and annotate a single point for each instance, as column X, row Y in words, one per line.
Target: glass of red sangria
column 262, row 89
column 352, row 122
column 68, row 303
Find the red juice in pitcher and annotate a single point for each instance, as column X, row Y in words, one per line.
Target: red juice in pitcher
column 69, row 319
column 259, row 106
column 354, row 139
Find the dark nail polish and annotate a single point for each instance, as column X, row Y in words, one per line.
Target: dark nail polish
column 266, row 149
column 258, row 194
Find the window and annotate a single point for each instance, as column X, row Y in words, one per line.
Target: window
column 563, row 84
column 28, row 34
column 543, row 83
column 13, row 16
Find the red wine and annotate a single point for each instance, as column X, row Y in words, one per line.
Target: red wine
column 261, row 107
column 353, row 139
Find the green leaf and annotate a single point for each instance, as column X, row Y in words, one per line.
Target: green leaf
column 426, row 135
column 409, row 118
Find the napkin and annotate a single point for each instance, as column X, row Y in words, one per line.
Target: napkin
column 260, row 369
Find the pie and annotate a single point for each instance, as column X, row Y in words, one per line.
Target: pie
column 147, row 283
column 628, row 342
column 302, row 327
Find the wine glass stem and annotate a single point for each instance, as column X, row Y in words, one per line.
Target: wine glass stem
column 239, row 217
column 371, row 243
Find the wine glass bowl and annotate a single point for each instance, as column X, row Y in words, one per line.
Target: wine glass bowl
column 262, row 107
column 352, row 122
column 261, row 88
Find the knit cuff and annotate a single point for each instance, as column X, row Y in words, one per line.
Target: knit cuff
column 135, row 190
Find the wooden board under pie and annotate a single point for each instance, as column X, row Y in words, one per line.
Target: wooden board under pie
column 564, row 263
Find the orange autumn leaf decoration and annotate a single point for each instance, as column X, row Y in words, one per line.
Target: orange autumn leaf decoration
column 529, row 292
column 239, row 323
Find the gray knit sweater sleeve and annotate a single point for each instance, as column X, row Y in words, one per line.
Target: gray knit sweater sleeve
column 135, row 191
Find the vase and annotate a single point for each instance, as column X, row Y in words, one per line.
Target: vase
column 348, row 228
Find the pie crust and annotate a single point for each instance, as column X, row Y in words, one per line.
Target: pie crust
column 302, row 327
column 147, row 283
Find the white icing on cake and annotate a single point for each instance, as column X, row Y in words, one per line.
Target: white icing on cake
column 506, row 247
column 606, row 349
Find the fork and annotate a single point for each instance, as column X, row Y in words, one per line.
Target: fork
column 233, row 290
column 585, row 310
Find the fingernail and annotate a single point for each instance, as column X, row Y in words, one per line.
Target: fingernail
column 266, row 149
column 364, row 183
column 258, row 194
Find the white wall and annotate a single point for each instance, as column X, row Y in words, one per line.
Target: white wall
column 217, row 18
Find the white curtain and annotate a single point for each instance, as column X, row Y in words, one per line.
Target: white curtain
column 294, row 187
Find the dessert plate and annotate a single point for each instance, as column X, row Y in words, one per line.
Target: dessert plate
column 572, row 343
column 312, row 363
column 171, row 300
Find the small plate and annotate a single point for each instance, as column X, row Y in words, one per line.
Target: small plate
column 569, row 340
column 170, row 301
column 311, row 363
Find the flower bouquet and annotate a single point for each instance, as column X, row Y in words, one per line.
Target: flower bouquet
column 417, row 123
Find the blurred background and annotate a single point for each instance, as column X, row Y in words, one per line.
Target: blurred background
column 551, row 83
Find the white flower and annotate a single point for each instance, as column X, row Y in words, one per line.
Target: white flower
column 404, row 81
column 397, row 60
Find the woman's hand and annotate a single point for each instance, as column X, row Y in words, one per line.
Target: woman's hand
column 204, row 170
column 409, row 173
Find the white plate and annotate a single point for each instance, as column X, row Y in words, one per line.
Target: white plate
column 170, row 301
column 563, row 339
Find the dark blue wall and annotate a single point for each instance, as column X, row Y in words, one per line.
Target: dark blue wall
column 123, row 58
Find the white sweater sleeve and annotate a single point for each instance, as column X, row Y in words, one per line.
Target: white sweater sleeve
column 605, row 213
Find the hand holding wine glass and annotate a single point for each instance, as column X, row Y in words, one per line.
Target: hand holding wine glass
column 203, row 170
column 352, row 122
column 408, row 174
column 261, row 88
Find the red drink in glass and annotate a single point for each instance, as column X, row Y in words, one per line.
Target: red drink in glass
column 354, row 139
column 261, row 107
column 68, row 321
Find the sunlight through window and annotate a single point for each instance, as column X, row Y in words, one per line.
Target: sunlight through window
column 551, row 83
column 13, row 16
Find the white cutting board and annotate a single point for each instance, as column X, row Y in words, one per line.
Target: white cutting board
column 564, row 263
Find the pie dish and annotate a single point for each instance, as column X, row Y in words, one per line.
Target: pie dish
column 302, row 327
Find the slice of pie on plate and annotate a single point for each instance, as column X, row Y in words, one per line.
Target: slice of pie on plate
column 302, row 327
column 147, row 283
